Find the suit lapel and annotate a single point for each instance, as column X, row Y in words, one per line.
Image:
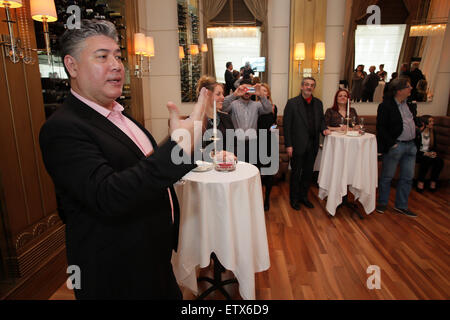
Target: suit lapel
column 99, row 121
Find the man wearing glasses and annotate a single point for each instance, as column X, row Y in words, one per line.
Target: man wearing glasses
column 397, row 129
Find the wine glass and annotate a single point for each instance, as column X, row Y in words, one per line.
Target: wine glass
column 341, row 124
column 353, row 121
column 361, row 124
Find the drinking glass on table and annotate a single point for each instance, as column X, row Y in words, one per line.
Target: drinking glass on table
column 342, row 124
column 361, row 124
column 353, row 122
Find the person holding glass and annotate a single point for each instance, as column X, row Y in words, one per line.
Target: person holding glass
column 427, row 158
column 335, row 117
column 224, row 121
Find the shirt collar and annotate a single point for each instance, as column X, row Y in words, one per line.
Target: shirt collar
column 399, row 103
column 102, row 110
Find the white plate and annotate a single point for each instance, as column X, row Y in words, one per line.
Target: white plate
column 203, row 168
column 353, row 134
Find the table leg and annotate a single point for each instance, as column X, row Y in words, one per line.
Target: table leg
column 217, row 282
column 351, row 206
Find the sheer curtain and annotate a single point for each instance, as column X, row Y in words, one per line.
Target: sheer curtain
column 259, row 10
column 433, row 45
column 210, row 9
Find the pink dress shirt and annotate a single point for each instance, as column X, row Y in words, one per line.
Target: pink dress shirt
column 126, row 125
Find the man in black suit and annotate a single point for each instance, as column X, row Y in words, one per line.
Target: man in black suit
column 112, row 181
column 398, row 141
column 229, row 79
column 303, row 122
column 370, row 83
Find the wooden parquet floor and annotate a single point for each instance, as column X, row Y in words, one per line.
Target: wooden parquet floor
column 316, row 256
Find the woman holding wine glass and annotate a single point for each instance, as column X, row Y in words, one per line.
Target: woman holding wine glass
column 335, row 117
column 223, row 119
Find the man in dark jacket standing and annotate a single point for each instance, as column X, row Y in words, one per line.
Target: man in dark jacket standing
column 112, row 181
column 303, row 122
column 397, row 126
column 369, row 84
column 229, row 79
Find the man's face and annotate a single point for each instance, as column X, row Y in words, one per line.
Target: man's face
column 98, row 72
column 308, row 87
column 372, row 69
column 404, row 93
column 230, row 67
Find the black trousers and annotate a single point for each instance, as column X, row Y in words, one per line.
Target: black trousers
column 367, row 95
column 301, row 173
column 425, row 163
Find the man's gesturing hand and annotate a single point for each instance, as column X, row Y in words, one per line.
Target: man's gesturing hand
column 182, row 131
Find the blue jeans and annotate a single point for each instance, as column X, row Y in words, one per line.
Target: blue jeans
column 403, row 155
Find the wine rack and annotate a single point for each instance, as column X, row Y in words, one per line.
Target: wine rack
column 188, row 34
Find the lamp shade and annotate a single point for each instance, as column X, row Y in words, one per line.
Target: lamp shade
column 181, row 52
column 319, row 53
column 204, row 47
column 140, row 43
column 41, row 9
column 11, row 4
column 194, row 49
column 299, row 53
column 150, row 45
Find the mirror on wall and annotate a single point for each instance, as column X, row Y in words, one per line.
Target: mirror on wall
column 392, row 49
column 190, row 50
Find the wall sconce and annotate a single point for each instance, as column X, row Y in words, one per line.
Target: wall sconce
column 11, row 43
column 194, row 49
column 144, row 46
column 140, row 49
column 204, row 48
column 44, row 11
column 181, row 52
column 150, row 51
column 299, row 54
column 319, row 54
column 150, row 44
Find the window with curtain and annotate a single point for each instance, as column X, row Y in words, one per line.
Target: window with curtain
column 375, row 45
column 236, row 50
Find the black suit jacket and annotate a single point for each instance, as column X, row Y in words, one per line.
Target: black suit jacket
column 390, row 124
column 295, row 124
column 114, row 202
column 229, row 82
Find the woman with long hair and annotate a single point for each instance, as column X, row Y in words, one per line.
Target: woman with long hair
column 427, row 158
column 266, row 122
column 224, row 121
column 358, row 76
column 336, row 115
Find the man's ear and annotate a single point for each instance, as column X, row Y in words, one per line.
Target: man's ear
column 71, row 65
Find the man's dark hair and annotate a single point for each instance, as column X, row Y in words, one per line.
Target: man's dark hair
column 397, row 85
column 229, row 63
column 246, row 81
column 308, row 78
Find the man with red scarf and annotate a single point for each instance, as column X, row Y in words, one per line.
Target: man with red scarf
column 303, row 122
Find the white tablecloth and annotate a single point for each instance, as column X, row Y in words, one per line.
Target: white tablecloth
column 222, row 212
column 349, row 161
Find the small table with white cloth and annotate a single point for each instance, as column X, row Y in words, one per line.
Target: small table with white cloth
column 222, row 212
column 349, row 161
